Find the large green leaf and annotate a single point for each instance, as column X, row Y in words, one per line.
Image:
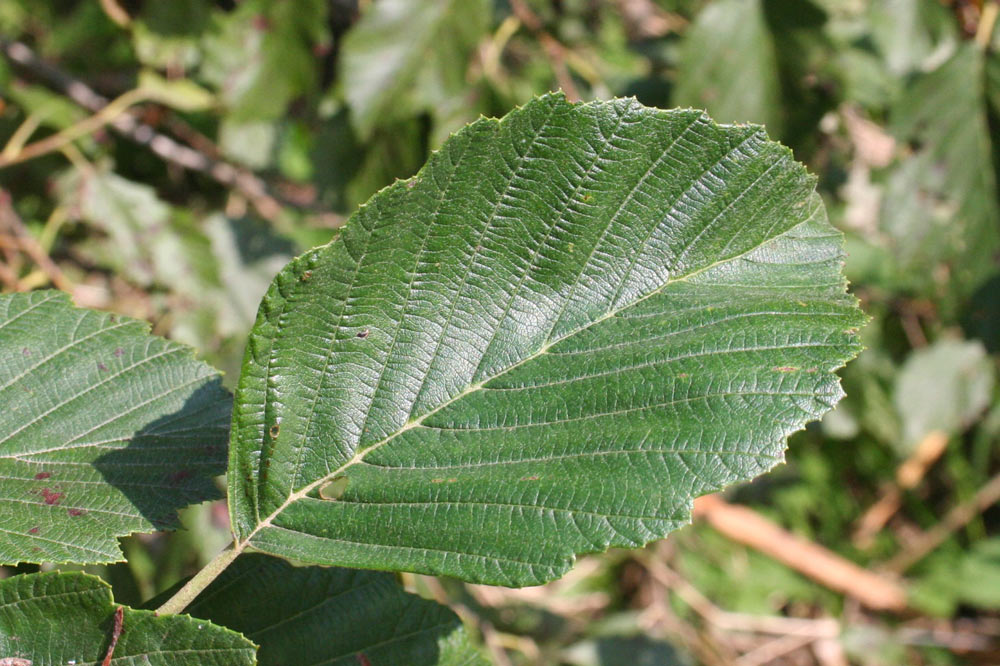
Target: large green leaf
column 407, row 56
column 569, row 324
column 105, row 430
column 284, row 608
column 68, row 618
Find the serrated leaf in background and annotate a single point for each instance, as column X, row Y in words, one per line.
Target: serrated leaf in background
column 67, row 618
column 317, row 615
column 568, row 325
column 105, row 430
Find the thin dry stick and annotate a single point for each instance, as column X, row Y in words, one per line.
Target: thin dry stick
column 744, row 622
column 810, row 559
column 105, row 116
column 116, row 632
column 908, row 476
column 769, row 652
column 554, row 49
column 953, row 521
column 27, row 243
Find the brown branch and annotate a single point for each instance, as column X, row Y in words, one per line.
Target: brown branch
column 908, row 475
column 9, row 219
column 131, row 126
column 554, row 49
column 810, row 559
column 954, row 520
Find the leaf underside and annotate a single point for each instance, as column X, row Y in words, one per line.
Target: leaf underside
column 283, row 608
column 68, row 618
column 569, row 324
column 105, row 430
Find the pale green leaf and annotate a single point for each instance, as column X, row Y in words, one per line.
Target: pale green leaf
column 568, row 325
column 728, row 65
column 945, row 386
column 940, row 207
column 105, row 430
column 407, row 56
column 285, row 609
column 55, row 619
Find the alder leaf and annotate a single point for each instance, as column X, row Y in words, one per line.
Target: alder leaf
column 359, row 614
column 105, row 430
column 570, row 323
column 69, row 618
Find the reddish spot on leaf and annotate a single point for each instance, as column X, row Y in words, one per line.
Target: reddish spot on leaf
column 118, row 352
column 179, row 476
column 33, row 530
column 76, row 512
column 113, row 319
column 363, row 334
column 261, row 22
column 26, row 351
column 42, row 475
column 52, row 497
column 103, row 367
column 533, row 477
column 363, row 660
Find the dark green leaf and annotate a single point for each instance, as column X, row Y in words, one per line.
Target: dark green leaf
column 286, row 609
column 105, row 430
column 568, row 325
column 68, row 618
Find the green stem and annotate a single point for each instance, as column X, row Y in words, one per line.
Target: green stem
column 184, row 596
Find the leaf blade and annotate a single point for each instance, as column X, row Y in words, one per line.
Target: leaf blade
column 381, row 356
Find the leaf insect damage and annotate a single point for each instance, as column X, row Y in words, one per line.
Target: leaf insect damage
column 334, row 488
column 14, row 661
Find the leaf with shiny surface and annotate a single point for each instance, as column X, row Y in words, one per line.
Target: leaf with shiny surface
column 69, row 618
column 105, row 430
column 568, row 325
column 283, row 608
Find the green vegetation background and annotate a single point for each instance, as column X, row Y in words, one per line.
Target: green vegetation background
column 267, row 122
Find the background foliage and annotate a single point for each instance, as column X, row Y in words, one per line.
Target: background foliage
column 244, row 132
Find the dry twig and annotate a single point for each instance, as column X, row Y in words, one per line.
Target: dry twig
column 810, row 559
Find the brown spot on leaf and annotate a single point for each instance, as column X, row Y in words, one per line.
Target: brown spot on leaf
column 76, row 512
column 437, row 480
column 683, row 375
column 102, row 367
column 533, row 477
column 179, row 476
column 363, row 660
column 363, row 334
column 52, row 497
column 118, row 352
column 274, row 430
column 26, row 351
column 785, row 368
column 307, row 276
column 42, row 475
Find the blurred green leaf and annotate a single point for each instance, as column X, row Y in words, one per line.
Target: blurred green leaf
column 942, row 387
column 409, row 56
column 728, row 66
